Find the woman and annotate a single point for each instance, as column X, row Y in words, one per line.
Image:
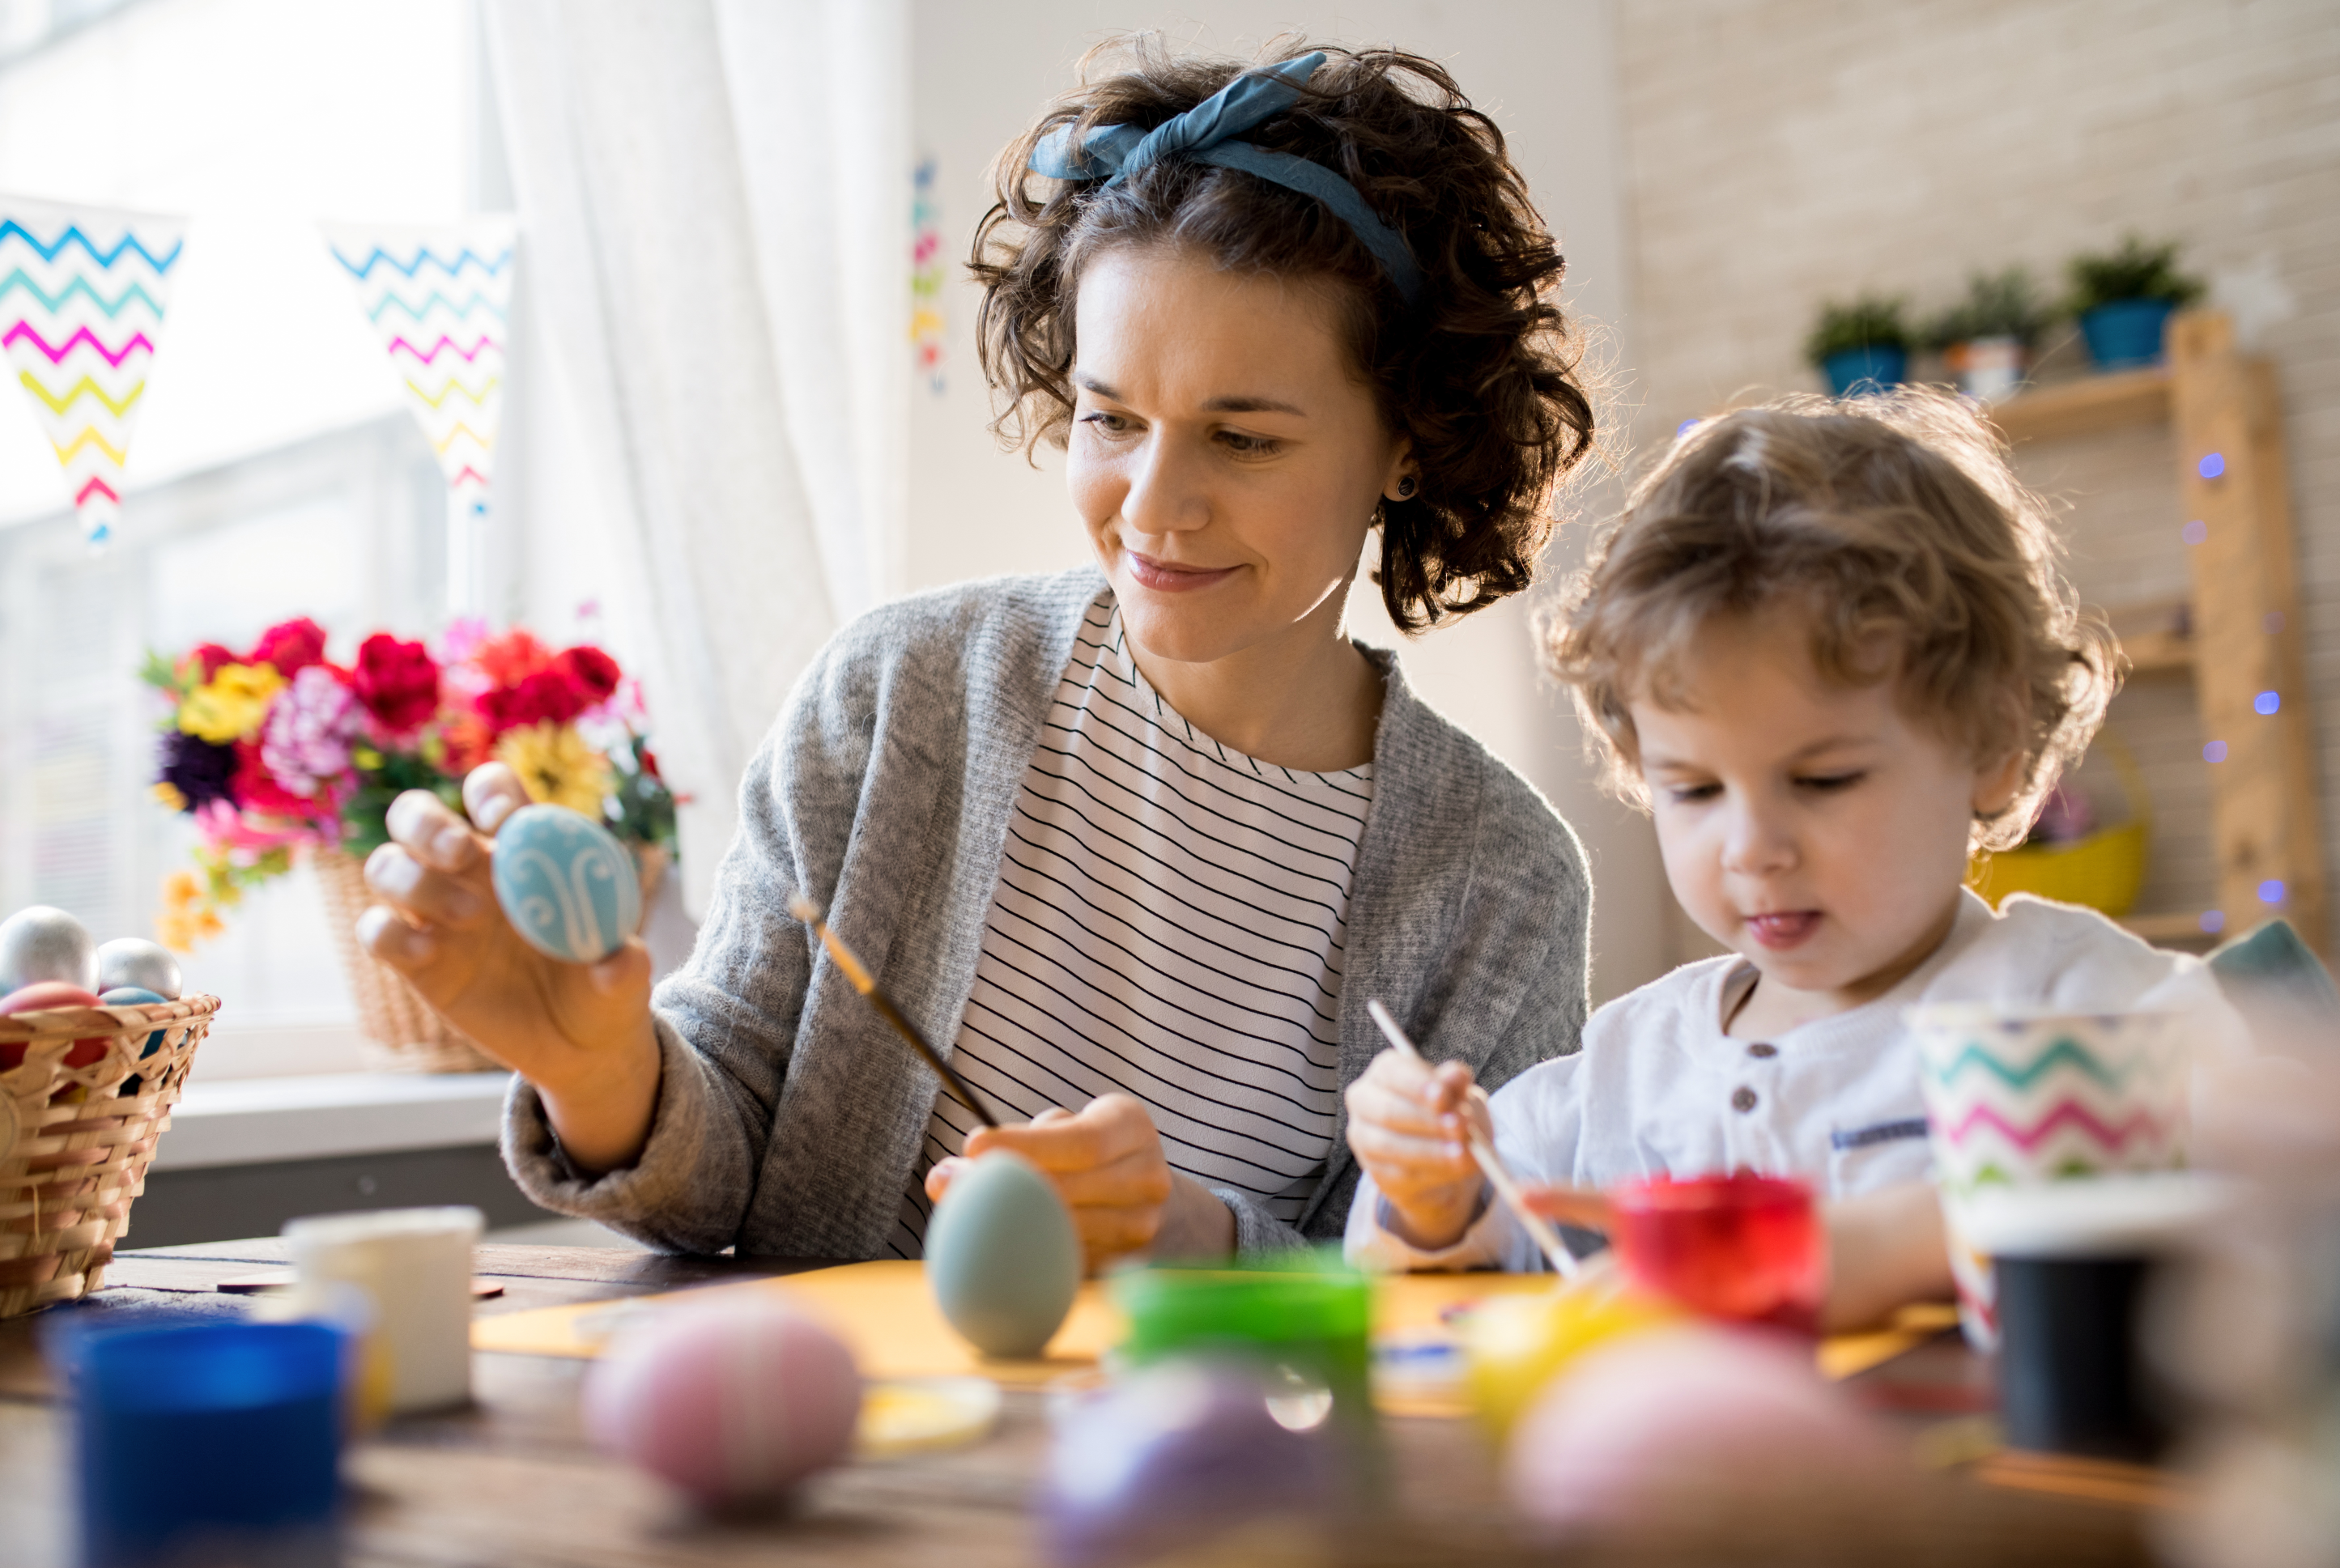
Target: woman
column 1139, row 842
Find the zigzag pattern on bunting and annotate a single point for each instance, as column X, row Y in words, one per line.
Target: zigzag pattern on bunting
column 439, row 302
column 82, row 295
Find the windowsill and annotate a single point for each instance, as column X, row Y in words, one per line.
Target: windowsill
column 261, row 1120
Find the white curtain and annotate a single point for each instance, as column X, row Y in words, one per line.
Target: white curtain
column 714, row 219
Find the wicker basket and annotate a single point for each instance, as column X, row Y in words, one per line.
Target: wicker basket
column 74, row 1142
column 401, row 1033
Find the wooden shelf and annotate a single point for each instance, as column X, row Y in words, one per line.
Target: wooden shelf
column 2157, row 638
column 2237, row 637
column 2111, row 402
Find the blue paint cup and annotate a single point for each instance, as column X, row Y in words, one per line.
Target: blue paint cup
column 206, row 1442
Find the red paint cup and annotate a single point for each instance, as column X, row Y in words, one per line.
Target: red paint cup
column 1745, row 1248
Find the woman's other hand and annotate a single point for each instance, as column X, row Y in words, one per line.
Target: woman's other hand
column 1107, row 1165
column 580, row 1032
column 1409, row 1126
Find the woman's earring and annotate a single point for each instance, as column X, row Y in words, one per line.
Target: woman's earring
column 1405, row 489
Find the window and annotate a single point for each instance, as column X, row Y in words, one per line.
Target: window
column 348, row 526
column 273, row 471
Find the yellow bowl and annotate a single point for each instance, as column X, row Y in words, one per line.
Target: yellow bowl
column 2102, row 871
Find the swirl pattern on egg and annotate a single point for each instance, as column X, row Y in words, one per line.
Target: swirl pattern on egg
column 565, row 883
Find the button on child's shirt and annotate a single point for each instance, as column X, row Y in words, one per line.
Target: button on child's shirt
column 1763, row 1050
column 1742, row 1099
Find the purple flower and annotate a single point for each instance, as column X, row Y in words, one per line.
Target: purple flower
column 306, row 745
column 199, row 771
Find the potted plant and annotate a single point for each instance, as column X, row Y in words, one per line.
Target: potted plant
column 1985, row 340
column 2124, row 299
column 1862, row 344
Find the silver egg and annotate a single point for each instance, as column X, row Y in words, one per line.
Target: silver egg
column 134, row 961
column 43, row 943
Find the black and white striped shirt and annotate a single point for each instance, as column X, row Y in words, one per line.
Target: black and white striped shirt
column 1168, row 923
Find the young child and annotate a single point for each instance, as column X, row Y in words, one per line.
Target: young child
column 1827, row 648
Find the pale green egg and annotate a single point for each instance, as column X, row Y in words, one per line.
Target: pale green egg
column 1003, row 1257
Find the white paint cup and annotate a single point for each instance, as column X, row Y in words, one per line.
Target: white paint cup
column 415, row 1265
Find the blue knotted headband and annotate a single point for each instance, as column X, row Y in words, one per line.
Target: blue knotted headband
column 1206, row 133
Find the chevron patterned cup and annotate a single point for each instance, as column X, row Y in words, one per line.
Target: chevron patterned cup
column 2019, row 1099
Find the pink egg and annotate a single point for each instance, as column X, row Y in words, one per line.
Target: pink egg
column 733, row 1401
column 1653, row 1417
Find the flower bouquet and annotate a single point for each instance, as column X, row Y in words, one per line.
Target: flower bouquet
column 279, row 751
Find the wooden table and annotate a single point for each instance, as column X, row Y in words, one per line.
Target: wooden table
column 513, row 1482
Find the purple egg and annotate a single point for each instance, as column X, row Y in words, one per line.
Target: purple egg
column 1175, row 1455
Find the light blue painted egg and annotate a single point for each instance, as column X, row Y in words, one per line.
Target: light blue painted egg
column 136, row 996
column 1003, row 1257
column 567, row 885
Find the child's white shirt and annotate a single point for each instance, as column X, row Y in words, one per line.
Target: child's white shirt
column 1660, row 1089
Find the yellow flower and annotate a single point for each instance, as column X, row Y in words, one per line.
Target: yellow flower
column 167, row 793
column 231, row 705
column 187, row 916
column 556, row 766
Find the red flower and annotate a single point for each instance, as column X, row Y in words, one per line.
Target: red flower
column 512, row 658
column 255, row 789
column 468, row 742
column 651, row 764
column 592, row 671
column 211, row 656
column 291, row 645
column 545, row 695
column 397, row 681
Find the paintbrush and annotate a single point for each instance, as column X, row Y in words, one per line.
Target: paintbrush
column 1491, row 1164
column 805, row 910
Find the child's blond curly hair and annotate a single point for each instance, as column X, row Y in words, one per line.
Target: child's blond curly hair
column 1897, row 524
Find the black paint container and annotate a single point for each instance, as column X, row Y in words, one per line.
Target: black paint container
column 2075, row 1261
column 2070, row 1378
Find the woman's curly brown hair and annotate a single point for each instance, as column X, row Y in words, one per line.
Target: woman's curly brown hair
column 1895, row 525
column 1480, row 372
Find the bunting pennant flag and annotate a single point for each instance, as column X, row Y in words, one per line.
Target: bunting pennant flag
column 81, row 293
column 440, row 300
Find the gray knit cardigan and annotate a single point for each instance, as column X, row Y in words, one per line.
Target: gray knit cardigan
column 789, row 1120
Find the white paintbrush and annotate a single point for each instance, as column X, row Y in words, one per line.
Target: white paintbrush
column 1491, row 1164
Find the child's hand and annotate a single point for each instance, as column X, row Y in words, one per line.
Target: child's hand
column 1408, row 1126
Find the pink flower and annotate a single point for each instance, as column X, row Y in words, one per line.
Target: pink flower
column 306, row 744
column 226, row 832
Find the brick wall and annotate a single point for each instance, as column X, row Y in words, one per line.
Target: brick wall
column 1784, row 151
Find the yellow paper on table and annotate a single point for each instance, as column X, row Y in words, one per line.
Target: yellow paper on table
column 882, row 1310
column 886, row 1314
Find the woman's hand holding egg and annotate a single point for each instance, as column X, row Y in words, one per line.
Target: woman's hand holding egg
column 580, row 1032
column 1409, row 1126
column 1106, row 1163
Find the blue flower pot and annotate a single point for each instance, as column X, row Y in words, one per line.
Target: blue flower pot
column 2127, row 333
column 1868, row 370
